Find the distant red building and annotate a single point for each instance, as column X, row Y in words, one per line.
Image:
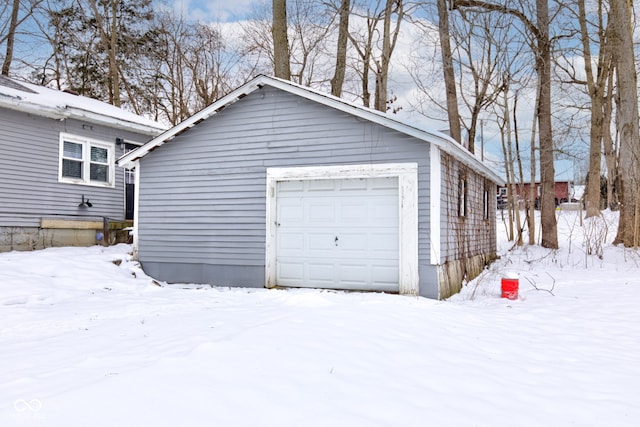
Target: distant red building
column 563, row 192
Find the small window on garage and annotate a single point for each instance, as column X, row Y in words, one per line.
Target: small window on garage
column 462, row 195
column 485, row 201
column 86, row 161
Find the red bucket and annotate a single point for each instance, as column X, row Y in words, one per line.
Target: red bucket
column 510, row 287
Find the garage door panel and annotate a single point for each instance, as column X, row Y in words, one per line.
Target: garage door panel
column 321, row 275
column 285, row 187
column 353, row 212
column 290, row 241
column 291, row 272
column 384, row 244
column 321, row 213
column 385, row 274
column 352, row 184
column 291, row 210
column 320, row 242
column 320, row 185
column 353, row 274
column 384, row 211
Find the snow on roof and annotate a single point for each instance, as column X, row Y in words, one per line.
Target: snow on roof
column 46, row 102
column 444, row 142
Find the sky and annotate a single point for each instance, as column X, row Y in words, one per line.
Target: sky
column 215, row 10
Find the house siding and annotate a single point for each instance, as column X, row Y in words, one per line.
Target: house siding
column 29, row 187
column 202, row 197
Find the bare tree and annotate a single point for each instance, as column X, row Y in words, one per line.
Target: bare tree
column 375, row 48
column 389, row 39
column 482, row 55
column 447, row 68
column 107, row 26
column 281, row 65
column 187, row 66
column 610, row 149
column 596, row 83
column 9, row 28
column 96, row 42
column 341, row 51
column 363, row 42
column 311, row 25
column 10, row 38
column 622, row 46
column 539, row 30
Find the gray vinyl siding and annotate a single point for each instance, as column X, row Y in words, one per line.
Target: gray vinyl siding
column 464, row 237
column 202, row 195
column 29, row 159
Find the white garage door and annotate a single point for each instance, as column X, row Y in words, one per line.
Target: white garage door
column 338, row 234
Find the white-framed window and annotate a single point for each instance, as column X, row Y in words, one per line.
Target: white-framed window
column 86, row 161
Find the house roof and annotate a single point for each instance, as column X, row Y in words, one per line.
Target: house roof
column 444, row 142
column 55, row 104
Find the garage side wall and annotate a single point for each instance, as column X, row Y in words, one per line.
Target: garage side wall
column 203, row 195
column 468, row 226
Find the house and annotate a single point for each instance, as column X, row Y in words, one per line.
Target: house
column 58, row 180
column 277, row 185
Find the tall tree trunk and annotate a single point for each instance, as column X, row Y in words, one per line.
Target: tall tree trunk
column 629, row 227
column 610, row 156
column 113, row 53
column 592, row 198
column 109, row 44
column 508, row 167
column 281, row 57
column 596, row 87
column 11, row 37
column 547, row 168
column 449, row 74
column 516, row 139
column 341, row 51
column 513, row 202
column 531, row 217
column 389, row 39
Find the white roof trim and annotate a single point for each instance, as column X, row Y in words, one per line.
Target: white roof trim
column 58, row 113
column 444, row 142
column 46, row 102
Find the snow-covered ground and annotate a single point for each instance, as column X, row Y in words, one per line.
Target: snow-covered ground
column 87, row 342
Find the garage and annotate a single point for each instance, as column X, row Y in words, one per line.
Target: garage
column 278, row 185
column 338, row 234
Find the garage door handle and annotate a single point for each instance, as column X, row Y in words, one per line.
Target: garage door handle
column 336, row 240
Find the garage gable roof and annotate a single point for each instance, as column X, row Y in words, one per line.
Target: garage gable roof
column 444, row 142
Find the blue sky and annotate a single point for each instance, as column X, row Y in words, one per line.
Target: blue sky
column 216, row 10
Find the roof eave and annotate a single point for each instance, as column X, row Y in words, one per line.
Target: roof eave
column 58, row 113
column 89, row 116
